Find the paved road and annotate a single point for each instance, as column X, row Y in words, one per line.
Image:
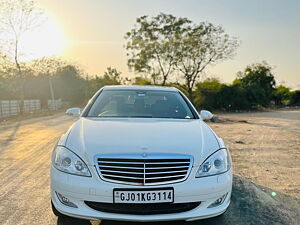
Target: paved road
column 25, row 149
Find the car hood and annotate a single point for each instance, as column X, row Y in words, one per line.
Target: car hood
column 93, row 136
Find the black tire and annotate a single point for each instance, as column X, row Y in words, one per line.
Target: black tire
column 67, row 220
column 56, row 212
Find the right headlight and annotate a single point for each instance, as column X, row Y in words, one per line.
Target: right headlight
column 68, row 162
column 219, row 162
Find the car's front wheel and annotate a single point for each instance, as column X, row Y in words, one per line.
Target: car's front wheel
column 67, row 220
column 56, row 212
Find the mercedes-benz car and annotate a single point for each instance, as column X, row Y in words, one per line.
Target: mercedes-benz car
column 140, row 153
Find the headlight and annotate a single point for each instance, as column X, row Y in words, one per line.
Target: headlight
column 67, row 161
column 217, row 163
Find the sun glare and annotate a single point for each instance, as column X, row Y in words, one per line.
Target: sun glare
column 46, row 40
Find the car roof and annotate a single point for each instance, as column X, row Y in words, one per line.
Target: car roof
column 140, row 88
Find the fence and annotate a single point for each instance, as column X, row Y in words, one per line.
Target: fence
column 12, row 107
column 54, row 104
column 32, row 105
column 9, row 108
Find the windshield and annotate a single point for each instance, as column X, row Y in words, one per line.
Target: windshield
column 148, row 104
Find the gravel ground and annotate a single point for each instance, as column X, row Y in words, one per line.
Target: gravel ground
column 265, row 149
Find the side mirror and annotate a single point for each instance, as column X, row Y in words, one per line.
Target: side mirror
column 73, row 112
column 206, row 115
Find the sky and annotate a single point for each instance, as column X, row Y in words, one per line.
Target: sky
column 92, row 32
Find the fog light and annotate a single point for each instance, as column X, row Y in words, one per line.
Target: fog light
column 218, row 202
column 64, row 200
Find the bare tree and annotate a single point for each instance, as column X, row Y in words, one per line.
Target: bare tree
column 202, row 45
column 18, row 17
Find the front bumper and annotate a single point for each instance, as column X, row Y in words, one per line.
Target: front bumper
column 79, row 189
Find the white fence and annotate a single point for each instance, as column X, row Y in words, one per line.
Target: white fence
column 12, row 107
column 9, row 108
column 54, row 104
column 32, row 105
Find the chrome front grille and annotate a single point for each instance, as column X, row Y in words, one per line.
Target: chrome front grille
column 144, row 169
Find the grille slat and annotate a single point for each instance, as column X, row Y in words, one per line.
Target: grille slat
column 136, row 170
column 122, row 164
column 162, row 177
column 166, row 168
column 116, row 176
column 122, row 167
column 164, row 172
column 122, row 172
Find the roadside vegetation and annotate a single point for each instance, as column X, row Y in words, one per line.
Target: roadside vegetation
column 161, row 50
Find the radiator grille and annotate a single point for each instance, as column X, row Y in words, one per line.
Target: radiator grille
column 139, row 170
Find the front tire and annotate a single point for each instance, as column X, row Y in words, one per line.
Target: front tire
column 56, row 212
column 67, row 220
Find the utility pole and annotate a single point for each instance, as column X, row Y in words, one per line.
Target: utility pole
column 52, row 93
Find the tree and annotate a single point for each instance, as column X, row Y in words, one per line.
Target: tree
column 233, row 97
column 141, row 81
column 112, row 76
column 17, row 17
column 206, row 94
column 151, row 45
column 48, row 66
column 281, row 95
column 295, row 98
column 201, row 45
column 69, row 85
column 259, row 82
column 165, row 45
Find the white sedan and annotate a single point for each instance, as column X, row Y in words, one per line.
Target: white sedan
column 140, row 153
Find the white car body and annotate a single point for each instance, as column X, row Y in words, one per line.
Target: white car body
column 140, row 137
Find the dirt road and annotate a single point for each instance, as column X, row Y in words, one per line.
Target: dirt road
column 24, row 169
column 265, row 147
column 24, row 175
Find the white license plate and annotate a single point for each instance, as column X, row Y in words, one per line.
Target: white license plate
column 143, row 196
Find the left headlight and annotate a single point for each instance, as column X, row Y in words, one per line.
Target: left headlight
column 67, row 161
column 217, row 163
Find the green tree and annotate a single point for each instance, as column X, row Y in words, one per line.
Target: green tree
column 259, row 83
column 206, row 94
column 151, row 45
column 47, row 67
column 165, row 45
column 110, row 77
column 281, row 95
column 69, row 85
column 141, row 81
column 295, row 98
column 233, row 97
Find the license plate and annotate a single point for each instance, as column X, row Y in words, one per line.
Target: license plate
column 143, row 196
